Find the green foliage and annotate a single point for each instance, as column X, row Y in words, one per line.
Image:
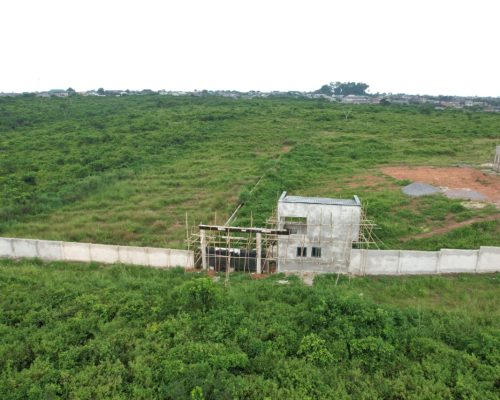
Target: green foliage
column 325, row 89
column 312, row 348
column 344, row 88
column 201, row 294
column 125, row 170
column 197, row 394
column 74, row 331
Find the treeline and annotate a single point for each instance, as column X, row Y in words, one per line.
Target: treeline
column 344, row 89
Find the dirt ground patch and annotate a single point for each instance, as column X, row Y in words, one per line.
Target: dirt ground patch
column 451, row 178
column 369, row 181
column 451, row 226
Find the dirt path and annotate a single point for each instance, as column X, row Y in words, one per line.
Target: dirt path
column 450, row 227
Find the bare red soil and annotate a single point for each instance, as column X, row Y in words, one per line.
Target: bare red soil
column 451, row 178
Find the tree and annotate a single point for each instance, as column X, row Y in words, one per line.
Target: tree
column 347, row 88
column 344, row 88
column 325, row 89
column 100, row 91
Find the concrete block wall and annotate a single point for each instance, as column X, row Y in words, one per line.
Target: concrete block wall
column 489, row 259
column 457, row 260
column 362, row 262
column 6, row 249
column 24, row 248
column 76, row 251
column 382, row 262
column 49, row 250
column 102, row 253
column 418, row 262
column 133, row 255
column 409, row 262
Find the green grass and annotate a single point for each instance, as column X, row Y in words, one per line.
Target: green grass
column 75, row 331
column 474, row 295
column 127, row 170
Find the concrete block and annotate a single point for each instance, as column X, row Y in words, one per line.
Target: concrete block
column 159, row 258
column 6, row 247
column 382, row 262
column 190, row 258
column 133, row 255
column 355, row 262
column 454, row 261
column 418, row 262
column 181, row 258
column 76, row 251
column 496, row 160
column 49, row 250
column 104, row 253
column 25, row 248
column 285, row 266
column 489, row 259
column 292, row 266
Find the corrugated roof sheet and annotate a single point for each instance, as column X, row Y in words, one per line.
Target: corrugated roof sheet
column 319, row 200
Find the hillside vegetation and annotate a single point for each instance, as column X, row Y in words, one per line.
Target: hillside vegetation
column 125, row 170
column 94, row 332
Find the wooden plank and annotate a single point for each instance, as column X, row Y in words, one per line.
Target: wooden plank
column 243, row 229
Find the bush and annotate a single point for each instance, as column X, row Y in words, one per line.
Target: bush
column 201, row 294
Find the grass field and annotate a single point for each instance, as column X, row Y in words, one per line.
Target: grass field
column 76, row 331
column 126, row 170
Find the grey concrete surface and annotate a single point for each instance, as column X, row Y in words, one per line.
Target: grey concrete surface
column 417, row 189
column 464, row 194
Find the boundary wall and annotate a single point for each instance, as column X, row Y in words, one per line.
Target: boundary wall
column 102, row 253
column 362, row 262
column 410, row 262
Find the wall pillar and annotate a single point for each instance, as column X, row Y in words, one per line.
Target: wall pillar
column 496, row 160
column 203, row 242
column 258, row 240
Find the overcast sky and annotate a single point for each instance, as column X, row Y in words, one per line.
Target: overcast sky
column 412, row 46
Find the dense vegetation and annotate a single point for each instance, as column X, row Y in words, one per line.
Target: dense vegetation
column 94, row 332
column 126, row 170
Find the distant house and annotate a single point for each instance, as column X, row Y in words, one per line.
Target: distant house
column 58, row 93
column 451, row 104
column 321, row 96
column 353, row 99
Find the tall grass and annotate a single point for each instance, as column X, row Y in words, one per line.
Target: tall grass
column 126, row 170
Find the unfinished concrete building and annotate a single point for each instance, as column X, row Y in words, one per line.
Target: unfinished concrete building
column 496, row 160
column 304, row 234
column 321, row 232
